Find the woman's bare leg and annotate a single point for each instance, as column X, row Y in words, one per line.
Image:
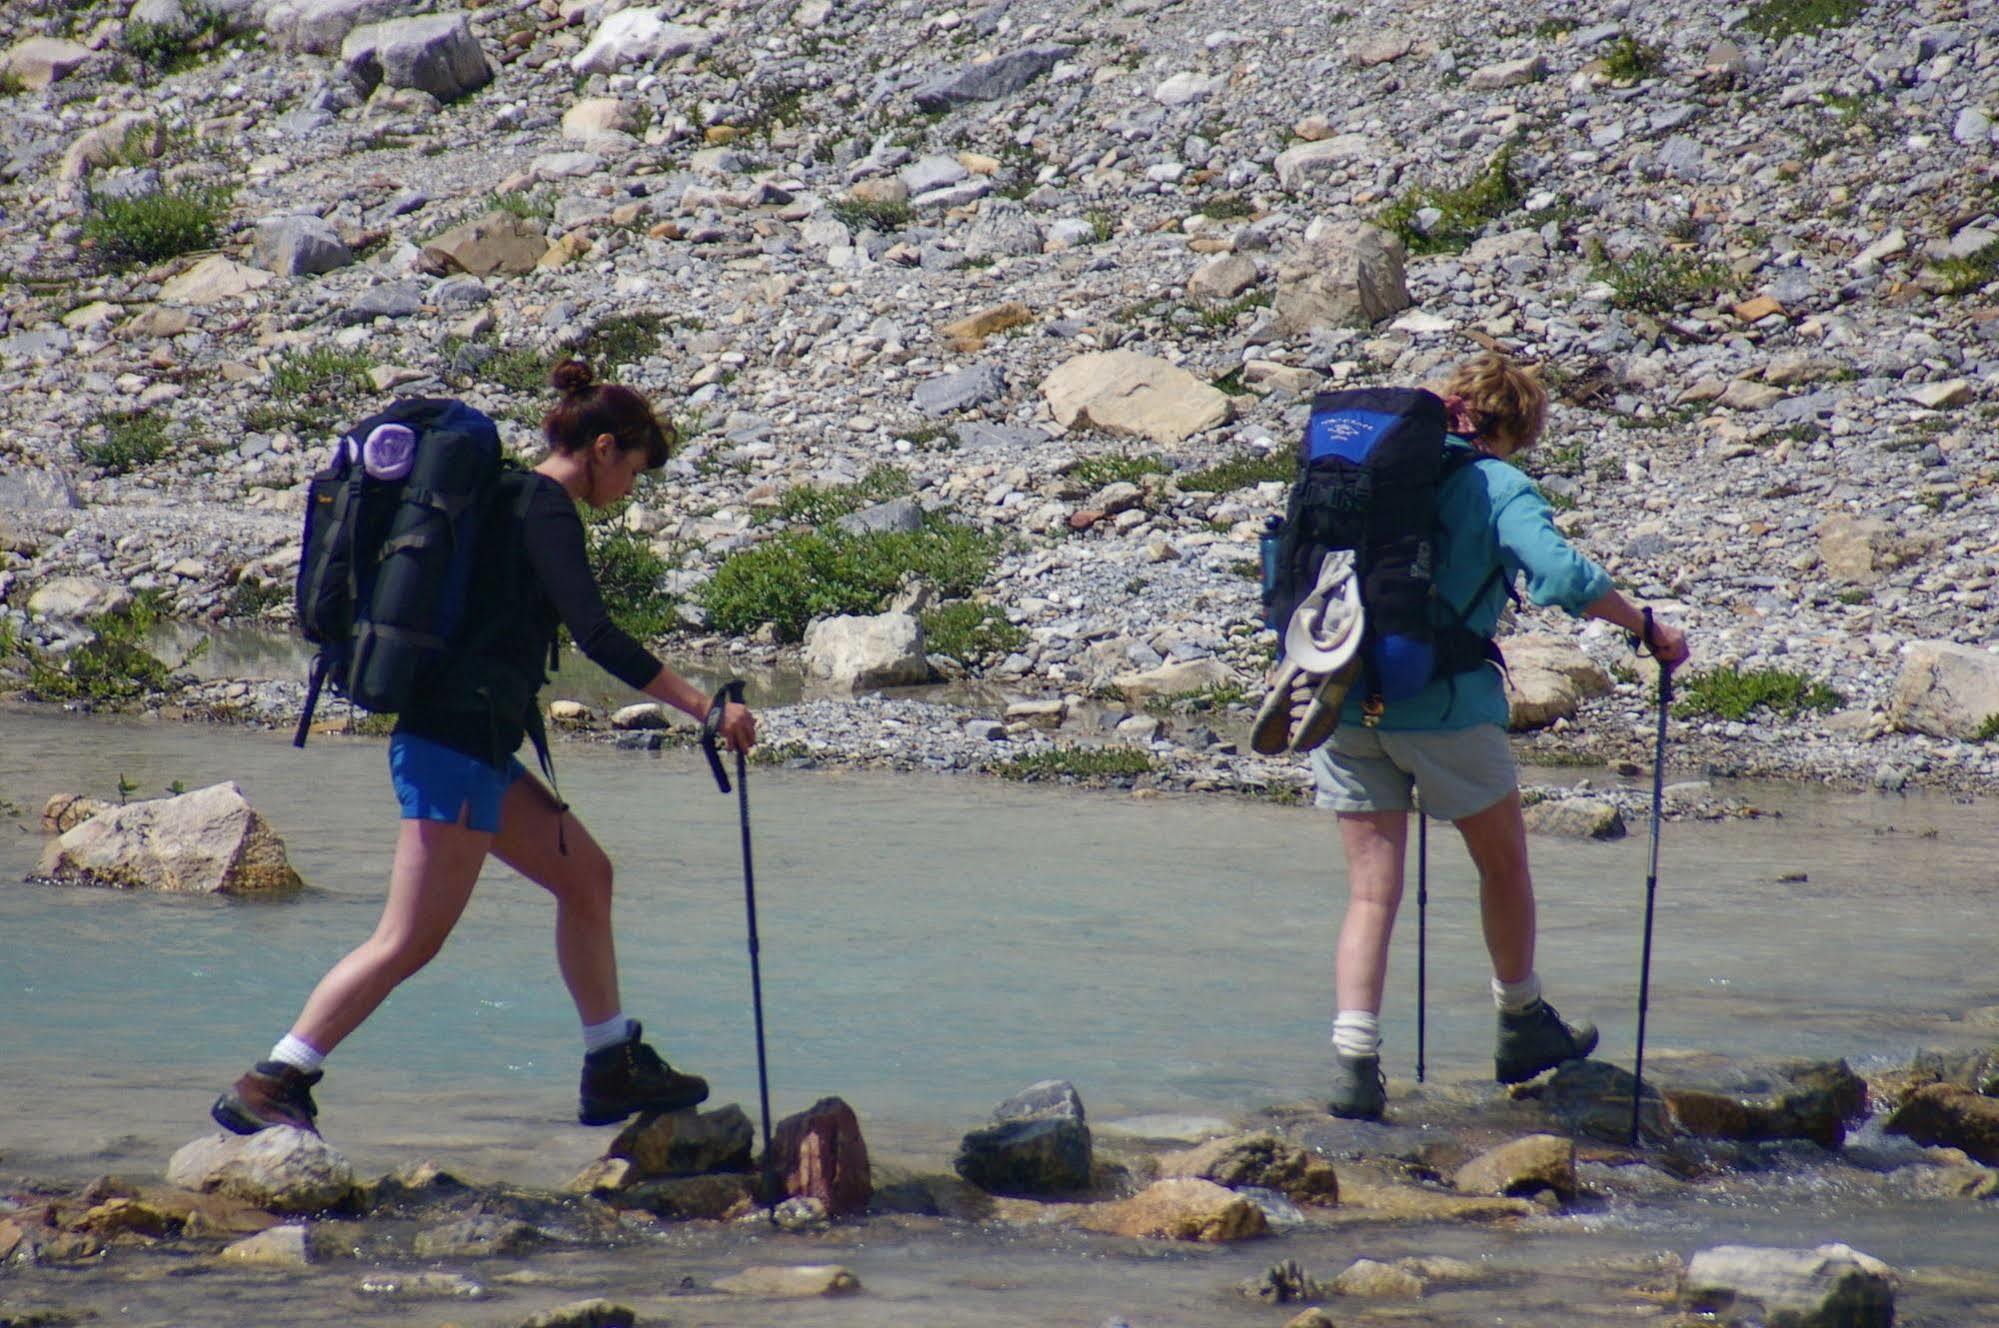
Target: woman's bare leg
column 580, row 880
column 1374, row 843
column 1496, row 838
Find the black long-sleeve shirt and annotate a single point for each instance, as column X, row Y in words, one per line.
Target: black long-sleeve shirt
column 512, row 613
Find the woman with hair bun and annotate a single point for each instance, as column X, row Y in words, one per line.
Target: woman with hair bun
column 1448, row 741
column 464, row 795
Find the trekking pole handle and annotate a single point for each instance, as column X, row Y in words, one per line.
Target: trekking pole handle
column 730, row 692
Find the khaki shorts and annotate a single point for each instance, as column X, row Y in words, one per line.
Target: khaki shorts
column 1459, row 771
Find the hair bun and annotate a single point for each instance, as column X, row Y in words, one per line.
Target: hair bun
column 572, row 376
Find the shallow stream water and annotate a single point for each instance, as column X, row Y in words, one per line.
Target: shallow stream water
column 932, row 944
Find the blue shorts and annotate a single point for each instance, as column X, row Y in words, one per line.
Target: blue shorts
column 435, row 783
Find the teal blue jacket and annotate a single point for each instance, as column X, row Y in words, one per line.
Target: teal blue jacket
column 1493, row 518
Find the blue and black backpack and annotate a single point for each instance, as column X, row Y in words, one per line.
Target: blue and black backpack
column 389, row 551
column 1370, row 463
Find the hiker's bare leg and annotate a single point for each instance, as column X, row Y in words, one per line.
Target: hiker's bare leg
column 1496, row 838
column 1374, row 843
column 580, row 880
column 435, row 869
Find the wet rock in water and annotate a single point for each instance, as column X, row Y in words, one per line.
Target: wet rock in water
column 1594, row 1098
column 1039, row 1156
column 1575, row 818
column 1945, row 1114
column 63, row 812
column 594, row 1313
column 421, row 1286
column 478, row 1237
column 1312, row 1318
column 644, row 715
column 1976, row 1070
column 717, row 1198
column 412, row 1183
column 287, row 1246
column 1048, row 1098
column 1833, row 1286
column 210, row 841
column 776, row 1282
column 1196, row 1210
column 1374, row 1280
column 281, row 1169
column 1820, row 1101
column 1548, row 678
column 1261, row 1160
column 1282, row 1284
column 1522, row 1167
column 819, row 1154
column 686, row 1143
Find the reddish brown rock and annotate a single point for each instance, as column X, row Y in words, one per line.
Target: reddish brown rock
column 819, row 1154
column 1948, row 1115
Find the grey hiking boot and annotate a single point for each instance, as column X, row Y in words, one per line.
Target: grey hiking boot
column 271, row 1094
column 1536, row 1039
column 629, row 1077
column 1359, row 1091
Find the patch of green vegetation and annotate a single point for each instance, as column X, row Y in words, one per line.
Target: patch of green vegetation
column 529, row 205
column 1241, row 472
column 249, row 599
column 931, row 437
column 1231, row 383
column 521, row 369
column 310, row 390
column 130, row 441
column 1988, row 729
column 1963, row 276
column 1215, row 696
column 1660, row 282
column 1563, row 459
column 112, row 666
column 11, row 83
column 815, row 505
column 625, row 339
column 1116, row 467
column 629, row 573
column 1853, row 595
column 1548, row 29
column 1630, row 59
column 968, row 630
column 1103, row 224
column 1731, row 693
column 1491, row 194
column 155, row 227
column 799, row 575
column 1224, row 315
column 884, row 215
column 1140, row 310
column 168, row 48
column 1084, row 764
column 1227, row 207
column 1775, row 20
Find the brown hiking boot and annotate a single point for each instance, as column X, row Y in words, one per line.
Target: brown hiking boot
column 629, row 1077
column 272, row 1093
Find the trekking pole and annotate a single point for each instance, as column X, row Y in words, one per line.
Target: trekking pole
column 1422, row 927
column 1651, row 883
column 732, row 691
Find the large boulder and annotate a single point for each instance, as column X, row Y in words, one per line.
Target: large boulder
column 859, row 653
column 1859, row 550
column 1179, row 1210
column 1039, row 1144
column 1548, row 678
column 495, row 242
column 819, row 1154
column 74, row 598
column 1833, row 1286
column 297, row 246
column 1004, row 227
column 283, row 1170
column 1947, row 691
column 433, row 53
column 636, row 37
column 40, row 61
column 211, row 281
column 1261, row 1160
column 26, row 488
column 1946, row 1115
column 319, row 26
column 686, row 1143
column 989, row 80
column 209, row 841
column 1522, row 1167
column 1344, row 276
column 1304, row 163
column 1126, row 393
column 1575, row 818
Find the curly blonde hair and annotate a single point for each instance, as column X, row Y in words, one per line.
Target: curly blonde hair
column 1506, row 397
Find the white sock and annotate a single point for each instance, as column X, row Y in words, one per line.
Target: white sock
column 1357, row 1033
column 610, row 1033
column 1517, row 997
column 296, row 1051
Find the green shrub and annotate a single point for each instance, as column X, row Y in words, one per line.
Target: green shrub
column 1215, row 696
column 521, row 369
column 312, row 391
column 1087, row 764
column 967, row 630
column 1116, row 467
column 1224, row 315
column 129, row 441
column 815, row 505
column 624, row 339
column 112, row 666
column 155, row 227
column 1731, row 693
column 881, row 215
column 536, row 205
column 1492, row 193
column 166, row 48
column 1103, row 224
column 1778, row 19
column 1631, row 59
column 1227, row 207
column 1988, row 729
column 1660, row 282
column 1974, row 272
column 1241, row 472
column 803, row 574
column 629, row 575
